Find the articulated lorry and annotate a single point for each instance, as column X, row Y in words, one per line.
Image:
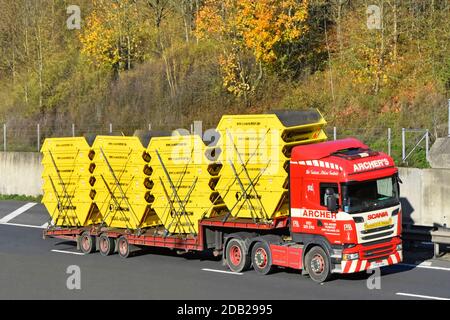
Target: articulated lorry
column 268, row 191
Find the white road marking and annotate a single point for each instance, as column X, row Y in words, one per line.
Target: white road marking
column 21, row 225
column 69, row 252
column 424, row 266
column 45, row 225
column 221, row 271
column 420, row 296
column 424, row 263
column 17, row 212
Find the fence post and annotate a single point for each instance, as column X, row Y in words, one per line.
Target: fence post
column 334, row 133
column 403, row 144
column 449, row 117
column 73, row 129
column 110, row 128
column 4, row 137
column 427, row 145
column 38, row 137
column 389, row 141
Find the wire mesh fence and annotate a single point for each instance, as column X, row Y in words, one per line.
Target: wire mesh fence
column 396, row 142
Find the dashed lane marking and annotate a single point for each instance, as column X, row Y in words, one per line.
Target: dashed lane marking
column 69, row 252
column 17, row 212
column 420, row 296
column 424, row 266
column 222, row 271
column 21, row 225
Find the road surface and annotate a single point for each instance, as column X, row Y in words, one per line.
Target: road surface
column 33, row 268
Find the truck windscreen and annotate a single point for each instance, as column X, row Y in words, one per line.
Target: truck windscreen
column 370, row 195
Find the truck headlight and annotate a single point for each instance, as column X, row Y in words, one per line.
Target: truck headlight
column 350, row 256
column 399, row 247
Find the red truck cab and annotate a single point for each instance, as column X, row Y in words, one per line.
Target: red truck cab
column 345, row 197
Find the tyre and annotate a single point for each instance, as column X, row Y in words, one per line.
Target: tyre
column 123, row 247
column 236, row 258
column 87, row 243
column 106, row 245
column 262, row 258
column 317, row 264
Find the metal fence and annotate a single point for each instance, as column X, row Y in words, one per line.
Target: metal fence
column 408, row 146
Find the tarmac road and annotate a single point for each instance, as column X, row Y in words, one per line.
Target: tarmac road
column 33, row 268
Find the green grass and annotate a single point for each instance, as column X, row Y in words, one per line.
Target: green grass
column 18, row 197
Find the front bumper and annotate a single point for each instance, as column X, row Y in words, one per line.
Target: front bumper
column 371, row 257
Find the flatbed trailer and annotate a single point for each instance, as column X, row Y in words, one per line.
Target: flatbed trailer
column 241, row 242
column 213, row 234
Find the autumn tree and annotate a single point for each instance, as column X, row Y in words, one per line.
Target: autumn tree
column 113, row 36
column 252, row 28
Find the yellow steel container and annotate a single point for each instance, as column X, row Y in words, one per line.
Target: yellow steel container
column 254, row 151
column 181, row 181
column 66, row 182
column 120, row 182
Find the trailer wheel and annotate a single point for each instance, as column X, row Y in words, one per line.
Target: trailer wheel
column 87, row 243
column 236, row 258
column 106, row 245
column 262, row 258
column 318, row 264
column 123, row 247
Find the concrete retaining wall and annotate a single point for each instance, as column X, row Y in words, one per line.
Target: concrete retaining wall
column 20, row 173
column 425, row 196
column 425, row 193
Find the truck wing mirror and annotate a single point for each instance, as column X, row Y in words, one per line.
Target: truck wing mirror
column 331, row 200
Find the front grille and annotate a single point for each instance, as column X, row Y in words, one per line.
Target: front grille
column 376, row 252
column 378, row 258
column 367, row 244
column 377, row 229
column 378, row 235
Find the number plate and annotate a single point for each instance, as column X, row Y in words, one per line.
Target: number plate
column 377, row 264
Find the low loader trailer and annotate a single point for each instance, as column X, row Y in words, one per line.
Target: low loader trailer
column 344, row 217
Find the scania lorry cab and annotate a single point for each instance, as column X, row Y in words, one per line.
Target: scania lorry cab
column 344, row 202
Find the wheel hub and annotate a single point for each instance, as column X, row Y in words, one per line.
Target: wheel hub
column 123, row 247
column 85, row 243
column 261, row 258
column 317, row 264
column 235, row 255
column 104, row 244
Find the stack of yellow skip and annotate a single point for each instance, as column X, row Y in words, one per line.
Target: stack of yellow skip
column 254, row 151
column 180, row 175
column 67, row 182
column 121, row 182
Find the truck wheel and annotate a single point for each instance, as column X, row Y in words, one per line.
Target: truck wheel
column 237, row 260
column 262, row 258
column 106, row 245
column 318, row 264
column 123, row 247
column 87, row 243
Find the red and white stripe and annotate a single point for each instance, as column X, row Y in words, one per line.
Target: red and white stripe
column 319, row 164
column 352, row 266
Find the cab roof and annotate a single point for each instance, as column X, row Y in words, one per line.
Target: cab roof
column 324, row 149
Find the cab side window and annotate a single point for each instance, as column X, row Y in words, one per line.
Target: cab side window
column 323, row 196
